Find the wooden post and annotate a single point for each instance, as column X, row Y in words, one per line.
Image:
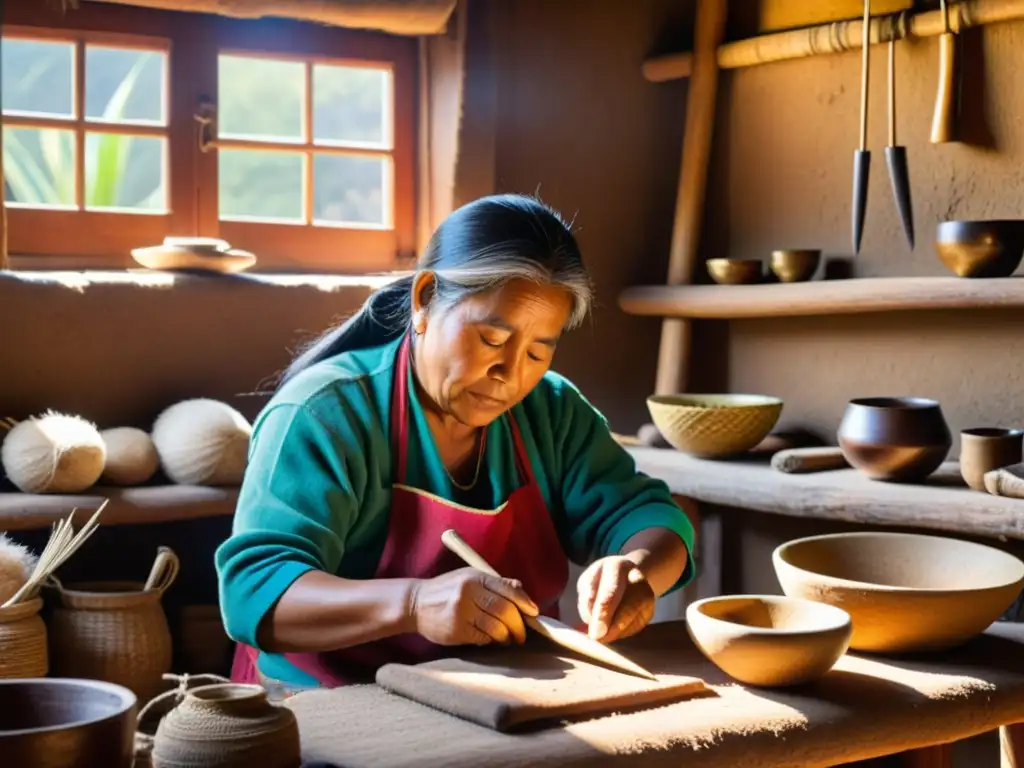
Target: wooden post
column 1011, row 746
column 674, row 352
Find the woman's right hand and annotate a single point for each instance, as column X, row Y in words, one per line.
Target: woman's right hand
column 468, row 607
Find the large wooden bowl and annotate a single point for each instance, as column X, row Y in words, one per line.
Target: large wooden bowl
column 905, row 592
column 767, row 640
column 66, row 723
column 713, row 426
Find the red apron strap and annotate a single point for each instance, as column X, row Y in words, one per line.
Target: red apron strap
column 522, row 457
column 400, row 409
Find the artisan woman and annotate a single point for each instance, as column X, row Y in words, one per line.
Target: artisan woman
column 435, row 407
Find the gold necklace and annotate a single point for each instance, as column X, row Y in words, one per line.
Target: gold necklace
column 476, row 474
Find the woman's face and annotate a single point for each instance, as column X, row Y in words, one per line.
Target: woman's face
column 482, row 356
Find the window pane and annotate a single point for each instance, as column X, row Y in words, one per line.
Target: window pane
column 39, row 166
column 261, row 185
column 350, row 104
column 348, row 190
column 261, row 98
column 37, row 77
column 124, row 172
column 124, row 85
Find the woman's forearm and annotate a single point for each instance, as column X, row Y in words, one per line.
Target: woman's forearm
column 659, row 554
column 320, row 612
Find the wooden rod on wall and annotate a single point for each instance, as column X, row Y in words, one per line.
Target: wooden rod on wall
column 838, row 37
column 701, row 101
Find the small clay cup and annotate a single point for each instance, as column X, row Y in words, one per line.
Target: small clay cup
column 900, row 439
column 795, row 266
column 735, row 271
column 986, row 448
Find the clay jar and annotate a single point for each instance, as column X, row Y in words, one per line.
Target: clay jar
column 898, row 439
column 987, row 448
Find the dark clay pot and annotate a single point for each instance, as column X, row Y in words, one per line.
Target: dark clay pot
column 899, row 439
column 66, row 723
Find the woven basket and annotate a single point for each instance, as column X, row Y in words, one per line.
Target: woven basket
column 227, row 726
column 711, row 426
column 23, row 640
column 112, row 631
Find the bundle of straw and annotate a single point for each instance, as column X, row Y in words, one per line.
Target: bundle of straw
column 63, row 543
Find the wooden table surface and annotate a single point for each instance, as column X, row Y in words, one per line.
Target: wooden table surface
column 868, row 706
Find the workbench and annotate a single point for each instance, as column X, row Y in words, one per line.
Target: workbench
column 867, row 706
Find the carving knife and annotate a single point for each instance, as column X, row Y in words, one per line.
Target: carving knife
column 554, row 630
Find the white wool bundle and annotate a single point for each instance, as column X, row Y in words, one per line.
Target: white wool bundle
column 53, row 453
column 16, row 565
column 131, row 456
column 202, row 442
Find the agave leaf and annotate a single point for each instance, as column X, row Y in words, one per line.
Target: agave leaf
column 22, row 172
column 112, row 149
column 59, row 158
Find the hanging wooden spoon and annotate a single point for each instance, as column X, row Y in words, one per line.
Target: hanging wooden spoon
column 896, row 156
column 861, row 157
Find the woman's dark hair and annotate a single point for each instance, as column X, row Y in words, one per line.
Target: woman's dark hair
column 477, row 248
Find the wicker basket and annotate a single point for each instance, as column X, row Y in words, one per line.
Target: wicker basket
column 112, row 631
column 23, row 640
column 713, row 426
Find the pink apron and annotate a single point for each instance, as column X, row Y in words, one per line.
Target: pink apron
column 518, row 539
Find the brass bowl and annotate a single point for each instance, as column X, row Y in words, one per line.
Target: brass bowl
column 991, row 248
column 900, row 439
column 795, row 265
column 735, row 271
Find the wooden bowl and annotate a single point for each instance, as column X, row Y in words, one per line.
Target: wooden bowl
column 905, row 592
column 66, row 723
column 984, row 248
column 735, row 271
column 712, row 426
column 899, row 439
column 795, row 266
column 769, row 640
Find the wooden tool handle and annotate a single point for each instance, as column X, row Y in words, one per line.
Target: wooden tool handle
column 469, row 556
column 797, row 460
column 945, row 99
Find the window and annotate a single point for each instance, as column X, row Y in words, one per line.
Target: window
column 293, row 141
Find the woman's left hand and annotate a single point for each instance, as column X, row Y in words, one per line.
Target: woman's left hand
column 615, row 599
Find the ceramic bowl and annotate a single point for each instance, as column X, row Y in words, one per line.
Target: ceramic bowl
column 735, row 271
column 904, row 591
column 795, row 266
column 984, row 248
column 711, row 426
column 986, row 448
column 901, row 439
column 768, row 640
column 66, row 722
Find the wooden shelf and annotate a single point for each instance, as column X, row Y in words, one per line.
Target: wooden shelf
column 942, row 503
column 822, row 297
column 128, row 506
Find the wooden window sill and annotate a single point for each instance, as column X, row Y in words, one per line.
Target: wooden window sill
column 822, row 297
column 144, row 278
column 942, row 503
